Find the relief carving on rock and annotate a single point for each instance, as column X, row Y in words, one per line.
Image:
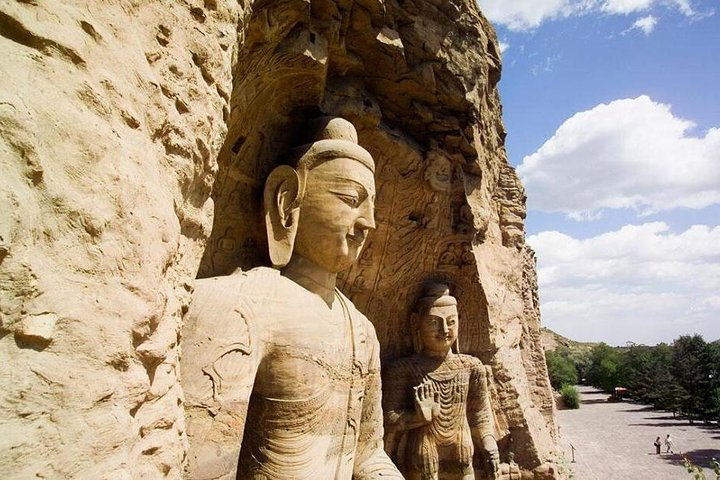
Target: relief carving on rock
column 420, row 195
column 439, row 173
column 280, row 370
column 437, row 402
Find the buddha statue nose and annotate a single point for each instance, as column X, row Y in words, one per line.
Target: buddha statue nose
column 366, row 220
column 445, row 327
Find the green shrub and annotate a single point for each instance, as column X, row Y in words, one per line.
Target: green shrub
column 570, row 397
column 561, row 370
column 697, row 471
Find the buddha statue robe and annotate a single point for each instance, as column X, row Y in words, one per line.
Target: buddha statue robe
column 442, row 448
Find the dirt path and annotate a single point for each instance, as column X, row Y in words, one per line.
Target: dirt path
column 614, row 441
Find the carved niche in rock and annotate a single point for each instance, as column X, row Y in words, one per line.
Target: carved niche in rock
column 436, row 402
column 280, row 371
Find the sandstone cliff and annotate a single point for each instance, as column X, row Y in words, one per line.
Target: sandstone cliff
column 135, row 138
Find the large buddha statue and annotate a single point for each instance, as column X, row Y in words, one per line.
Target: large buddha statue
column 281, row 373
column 436, row 402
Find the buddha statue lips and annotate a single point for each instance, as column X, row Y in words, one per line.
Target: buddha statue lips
column 280, row 369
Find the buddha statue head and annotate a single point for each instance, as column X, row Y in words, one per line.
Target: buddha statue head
column 320, row 203
column 435, row 322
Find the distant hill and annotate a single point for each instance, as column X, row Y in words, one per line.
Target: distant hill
column 551, row 341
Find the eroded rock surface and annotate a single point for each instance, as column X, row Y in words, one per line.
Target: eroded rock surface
column 130, row 128
column 111, row 117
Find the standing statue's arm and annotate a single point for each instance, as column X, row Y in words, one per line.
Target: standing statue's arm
column 371, row 461
column 480, row 415
column 219, row 362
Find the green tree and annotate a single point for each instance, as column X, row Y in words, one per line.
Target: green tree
column 560, row 369
column 663, row 391
column 710, row 386
column 688, row 370
column 604, row 370
column 635, row 371
column 581, row 359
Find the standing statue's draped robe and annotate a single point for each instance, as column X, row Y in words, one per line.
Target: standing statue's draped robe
column 266, row 366
column 445, row 445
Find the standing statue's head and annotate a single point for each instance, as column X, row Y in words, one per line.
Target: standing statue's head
column 322, row 207
column 435, row 321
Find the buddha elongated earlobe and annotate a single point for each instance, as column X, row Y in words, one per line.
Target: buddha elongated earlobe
column 281, row 200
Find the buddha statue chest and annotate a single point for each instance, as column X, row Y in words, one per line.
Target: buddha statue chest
column 309, row 389
column 308, row 353
column 451, row 389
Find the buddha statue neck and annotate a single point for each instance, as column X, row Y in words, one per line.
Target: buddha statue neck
column 312, row 277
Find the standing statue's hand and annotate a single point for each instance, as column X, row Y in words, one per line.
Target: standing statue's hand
column 426, row 401
column 495, row 464
column 490, row 446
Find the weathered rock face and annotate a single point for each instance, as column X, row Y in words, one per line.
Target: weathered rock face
column 132, row 130
column 111, row 117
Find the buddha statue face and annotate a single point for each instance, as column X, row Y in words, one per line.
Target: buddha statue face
column 322, row 209
column 434, row 320
column 438, row 328
column 336, row 213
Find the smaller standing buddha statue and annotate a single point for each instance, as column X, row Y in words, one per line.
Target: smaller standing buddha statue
column 436, row 402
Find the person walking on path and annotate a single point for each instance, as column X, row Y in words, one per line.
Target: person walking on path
column 657, row 445
column 668, row 444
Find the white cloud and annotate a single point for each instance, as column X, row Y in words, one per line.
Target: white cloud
column 645, row 24
column 631, row 153
column 642, row 283
column 633, row 6
column 625, row 6
column 529, row 14
column 504, row 46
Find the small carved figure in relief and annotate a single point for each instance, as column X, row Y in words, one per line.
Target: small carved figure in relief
column 366, row 258
column 359, row 285
column 430, row 215
column 439, row 172
column 436, row 402
column 281, row 372
column 450, row 257
column 463, row 219
column 226, row 243
column 468, row 257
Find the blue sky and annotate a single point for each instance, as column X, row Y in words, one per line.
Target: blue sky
column 612, row 109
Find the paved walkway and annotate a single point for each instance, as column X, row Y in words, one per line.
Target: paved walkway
column 614, row 441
